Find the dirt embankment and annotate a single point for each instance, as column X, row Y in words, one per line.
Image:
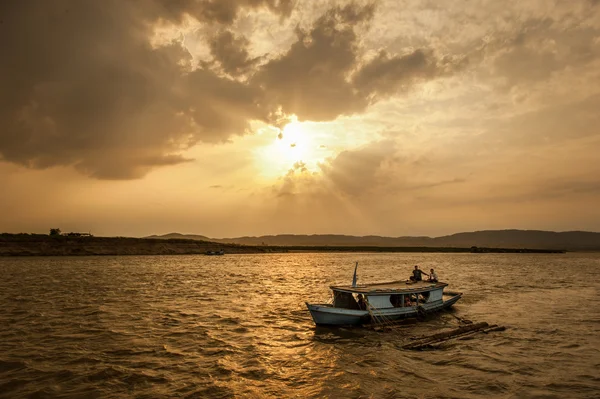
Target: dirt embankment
column 45, row 245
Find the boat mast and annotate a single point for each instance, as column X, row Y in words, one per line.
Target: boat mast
column 354, row 278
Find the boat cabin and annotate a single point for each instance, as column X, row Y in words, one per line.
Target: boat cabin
column 396, row 294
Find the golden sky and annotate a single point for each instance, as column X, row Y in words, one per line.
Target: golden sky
column 251, row 117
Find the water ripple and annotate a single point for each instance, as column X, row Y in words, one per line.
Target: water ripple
column 236, row 326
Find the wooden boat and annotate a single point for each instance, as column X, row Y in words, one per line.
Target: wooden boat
column 382, row 302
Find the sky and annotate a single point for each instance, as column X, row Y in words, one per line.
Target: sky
column 229, row 118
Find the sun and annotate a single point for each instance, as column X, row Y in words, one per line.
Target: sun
column 300, row 147
column 293, row 144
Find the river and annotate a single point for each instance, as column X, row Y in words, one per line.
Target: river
column 236, row 326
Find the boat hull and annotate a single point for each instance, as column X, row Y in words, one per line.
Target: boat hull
column 327, row 315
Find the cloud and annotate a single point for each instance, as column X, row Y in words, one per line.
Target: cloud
column 295, row 178
column 323, row 75
column 383, row 168
column 386, row 74
column 375, row 170
column 220, row 11
column 81, row 84
column 310, row 79
column 231, row 52
column 567, row 188
column 538, row 47
column 359, row 171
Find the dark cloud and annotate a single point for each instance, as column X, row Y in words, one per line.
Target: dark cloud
column 81, row 85
column 322, row 75
column 221, row 107
column 386, row 74
column 231, row 52
column 310, row 80
column 221, row 11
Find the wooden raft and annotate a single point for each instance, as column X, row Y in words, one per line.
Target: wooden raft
column 433, row 341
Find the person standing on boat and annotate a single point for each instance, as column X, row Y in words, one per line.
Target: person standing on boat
column 433, row 276
column 417, row 274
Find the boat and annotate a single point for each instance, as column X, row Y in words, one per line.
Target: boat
column 212, row 253
column 381, row 303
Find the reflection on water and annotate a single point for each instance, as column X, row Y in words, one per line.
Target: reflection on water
column 236, row 326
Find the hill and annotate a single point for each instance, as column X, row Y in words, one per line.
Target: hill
column 533, row 239
column 179, row 236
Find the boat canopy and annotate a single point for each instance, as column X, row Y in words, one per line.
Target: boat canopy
column 392, row 287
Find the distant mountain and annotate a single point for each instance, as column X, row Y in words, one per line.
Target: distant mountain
column 179, row 236
column 532, row 239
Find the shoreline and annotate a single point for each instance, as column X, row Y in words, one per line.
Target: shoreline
column 25, row 245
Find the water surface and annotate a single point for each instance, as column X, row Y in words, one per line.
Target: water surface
column 237, row 326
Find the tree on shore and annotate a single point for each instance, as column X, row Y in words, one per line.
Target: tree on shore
column 54, row 232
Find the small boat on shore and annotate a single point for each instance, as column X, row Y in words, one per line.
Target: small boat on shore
column 380, row 303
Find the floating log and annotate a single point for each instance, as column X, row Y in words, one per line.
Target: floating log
column 494, row 328
column 426, row 342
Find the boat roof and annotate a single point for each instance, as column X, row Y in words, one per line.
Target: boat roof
column 391, row 287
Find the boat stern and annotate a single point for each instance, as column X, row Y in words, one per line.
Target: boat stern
column 326, row 315
column 451, row 298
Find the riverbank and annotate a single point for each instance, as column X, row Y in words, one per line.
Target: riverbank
column 45, row 245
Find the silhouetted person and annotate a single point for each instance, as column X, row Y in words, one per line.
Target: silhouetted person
column 418, row 274
column 362, row 305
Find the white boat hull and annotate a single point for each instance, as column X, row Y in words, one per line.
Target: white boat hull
column 326, row 314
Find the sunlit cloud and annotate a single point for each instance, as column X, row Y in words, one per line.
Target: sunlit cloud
column 370, row 116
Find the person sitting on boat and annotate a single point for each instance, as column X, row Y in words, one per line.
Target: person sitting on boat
column 417, row 274
column 362, row 304
column 433, row 276
column 396, row 301
column 407, row 303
